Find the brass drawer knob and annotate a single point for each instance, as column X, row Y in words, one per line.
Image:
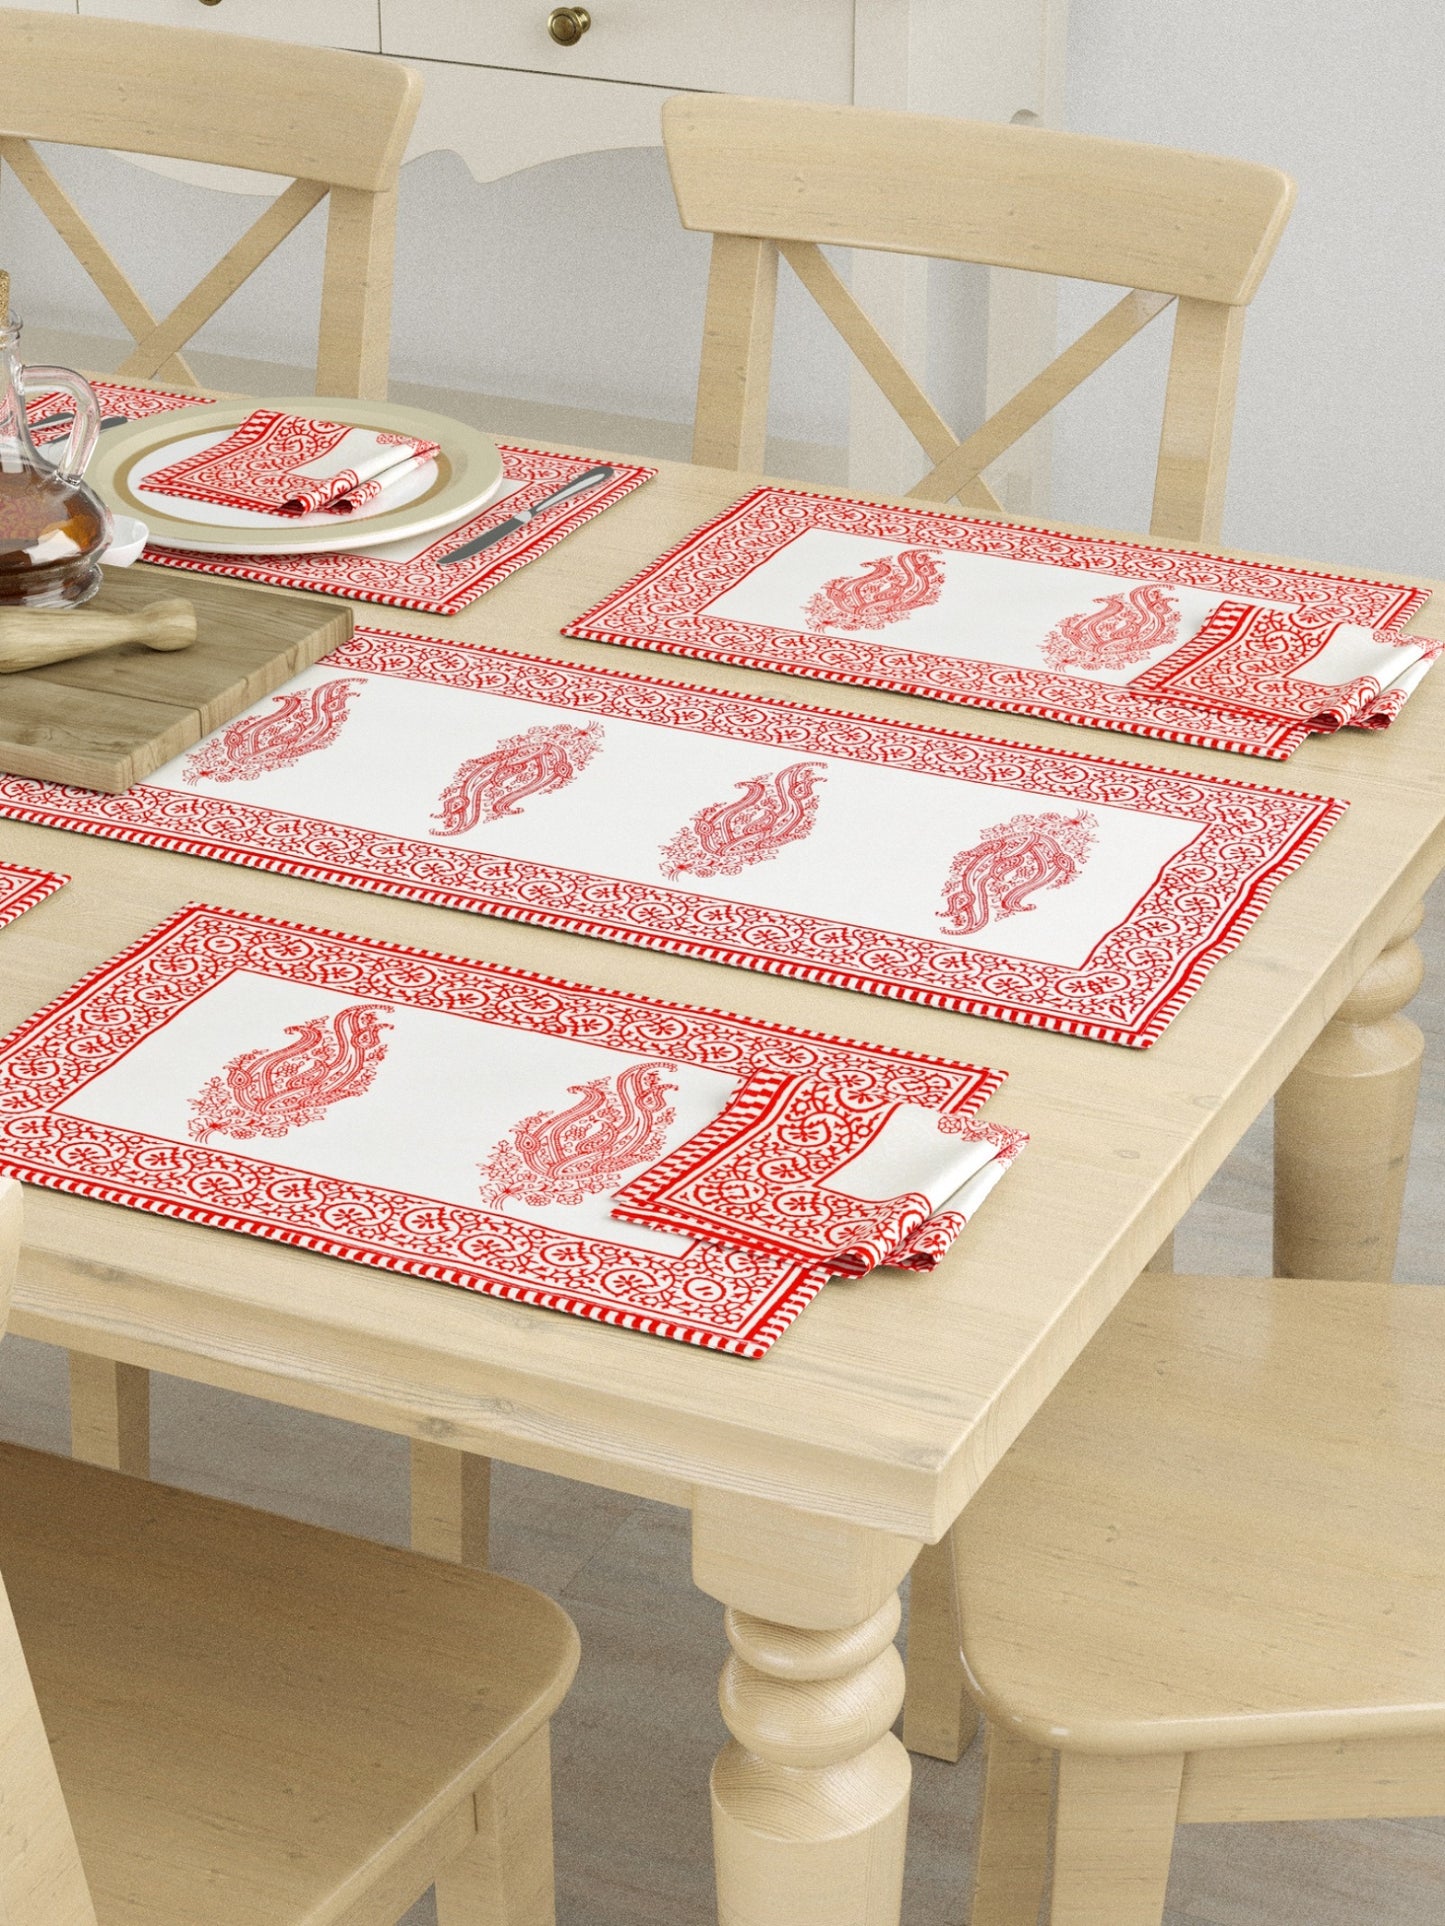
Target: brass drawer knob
column 565, row 24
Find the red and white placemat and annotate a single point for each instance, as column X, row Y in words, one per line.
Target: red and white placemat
column 21, row 889
column 250, row 1074
column 409, row 574
column 115, row 398
column 1062, row 891
column 1111, row 634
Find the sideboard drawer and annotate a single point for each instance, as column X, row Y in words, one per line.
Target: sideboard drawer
column 791, row 48
column 320, row 23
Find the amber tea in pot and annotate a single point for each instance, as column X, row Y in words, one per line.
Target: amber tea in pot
column 53, row 529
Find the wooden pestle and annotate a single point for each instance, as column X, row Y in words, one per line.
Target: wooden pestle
column 31, row 637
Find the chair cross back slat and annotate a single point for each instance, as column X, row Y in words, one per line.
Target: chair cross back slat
column 966, row 461
column 158, row 343
column 234, row 102
column 909, row 402
column 776, row 178
column 85, row 244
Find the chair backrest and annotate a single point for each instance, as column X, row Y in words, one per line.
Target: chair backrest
column 337, row 122
column 773, row 177
column 42, row 1882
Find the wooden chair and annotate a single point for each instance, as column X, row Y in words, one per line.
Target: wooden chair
column 338, row 122
column 771, row 177
column 251, row 1721
column 1208, row 1582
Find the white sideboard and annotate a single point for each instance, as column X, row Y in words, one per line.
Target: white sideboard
column 504, row 95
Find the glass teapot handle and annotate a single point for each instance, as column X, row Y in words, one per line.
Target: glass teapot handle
column 84, row 428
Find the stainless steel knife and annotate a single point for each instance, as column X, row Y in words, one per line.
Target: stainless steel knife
column 592, row 478
column 58, row 421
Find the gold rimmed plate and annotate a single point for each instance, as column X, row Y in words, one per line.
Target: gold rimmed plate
column 464, row 477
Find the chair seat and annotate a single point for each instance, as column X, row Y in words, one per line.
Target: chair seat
column 254, row 1720
column 1225, row 1528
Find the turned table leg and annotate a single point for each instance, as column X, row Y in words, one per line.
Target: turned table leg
column 810, row 1798
column 110, row 1414
column 1342, row 1126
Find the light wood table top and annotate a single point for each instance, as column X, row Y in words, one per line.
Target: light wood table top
column 889, row 1400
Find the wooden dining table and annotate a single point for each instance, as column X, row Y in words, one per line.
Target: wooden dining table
column 817, row 1476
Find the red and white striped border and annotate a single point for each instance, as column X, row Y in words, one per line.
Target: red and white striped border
column 21, row 889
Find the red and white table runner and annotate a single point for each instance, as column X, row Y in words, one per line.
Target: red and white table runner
column 280, row 464
column 407, row 574
column 21, row 889
column 1110, row 634
column 250, row 1074
column 1063, row 891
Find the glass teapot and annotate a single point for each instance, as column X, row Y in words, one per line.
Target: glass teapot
column 53, row 529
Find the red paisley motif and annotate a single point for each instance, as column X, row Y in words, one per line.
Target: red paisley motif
column 301, row 723
column 1245, row 841
column 567, row 1156
column 989, row 881
column 266, row 1093
column 1122, row 629
column 535, row 763
column 726, row 838
column 888, row 589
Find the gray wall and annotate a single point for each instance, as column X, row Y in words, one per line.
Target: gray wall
column 1339, row 448
column 573, row 284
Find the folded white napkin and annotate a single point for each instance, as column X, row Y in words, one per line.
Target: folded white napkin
column 834, row 1173
column 280, row 464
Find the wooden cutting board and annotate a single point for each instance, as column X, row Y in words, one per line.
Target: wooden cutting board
column 106, row 721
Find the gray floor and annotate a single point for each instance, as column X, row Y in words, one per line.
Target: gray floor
column 635, row 1739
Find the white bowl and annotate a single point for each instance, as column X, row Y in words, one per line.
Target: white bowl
column 129, row 537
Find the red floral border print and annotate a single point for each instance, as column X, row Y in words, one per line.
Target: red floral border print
column 1199, row 908
column 270, row 462
column 709, row 1296
column 1246, row 657
column 115, row 398
column 664, row 608
column 758, row 1177
column 421, row 583
column 21, row 889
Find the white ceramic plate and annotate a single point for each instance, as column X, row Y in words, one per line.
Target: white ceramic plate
column 463, row 478
column 409, row 489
